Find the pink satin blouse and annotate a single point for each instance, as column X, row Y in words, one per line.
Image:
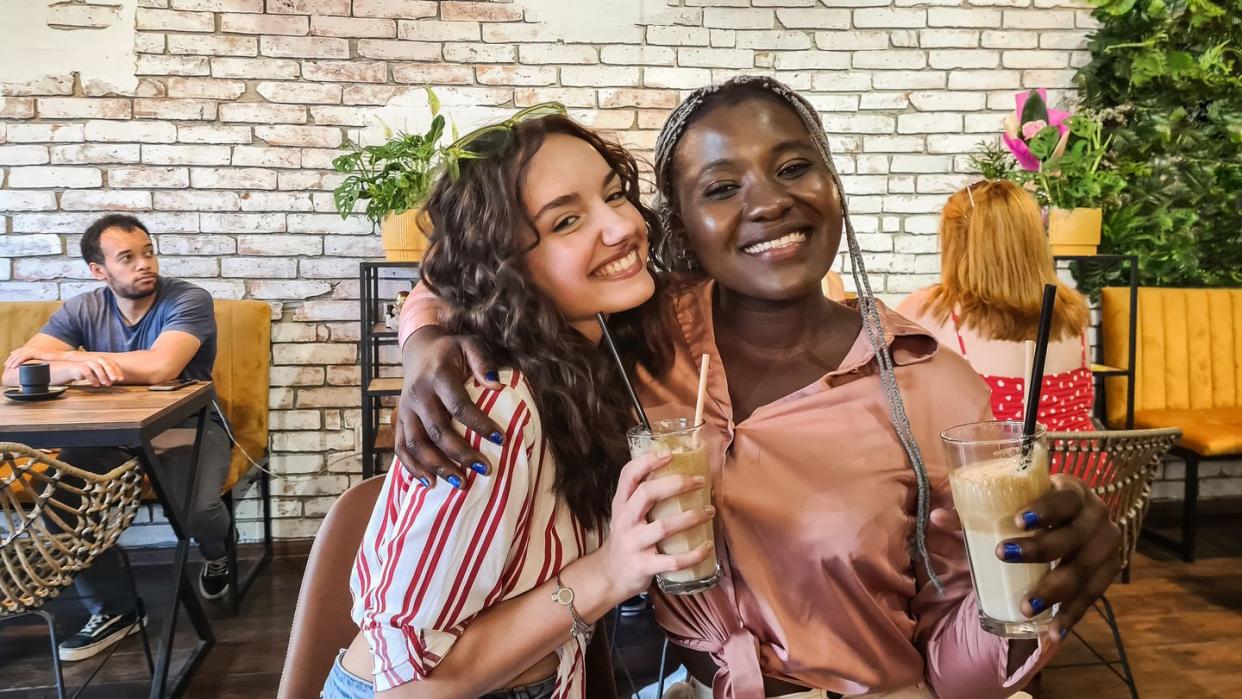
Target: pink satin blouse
column 815, row 515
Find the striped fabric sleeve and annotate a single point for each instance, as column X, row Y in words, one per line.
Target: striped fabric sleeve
column 434, row 558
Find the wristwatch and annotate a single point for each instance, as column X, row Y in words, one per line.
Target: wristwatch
column 564, row 596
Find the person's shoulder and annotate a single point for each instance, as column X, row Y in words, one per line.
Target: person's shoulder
column 914, row 305
column 512, row 406
column 181, row 291
column 90, row 301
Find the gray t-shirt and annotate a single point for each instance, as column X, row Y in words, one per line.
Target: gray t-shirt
column 93, row 322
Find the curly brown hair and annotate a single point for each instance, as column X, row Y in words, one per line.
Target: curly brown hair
column 476, row 263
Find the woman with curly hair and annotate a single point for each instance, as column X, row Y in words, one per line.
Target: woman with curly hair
column 493, row 586
column 844, row 569
column 994, row 261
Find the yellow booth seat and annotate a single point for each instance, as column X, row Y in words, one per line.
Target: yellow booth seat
column 1188, row 373
column 240, row 376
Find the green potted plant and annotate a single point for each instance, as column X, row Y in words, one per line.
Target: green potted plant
column 1058, row 155
column 394, row 179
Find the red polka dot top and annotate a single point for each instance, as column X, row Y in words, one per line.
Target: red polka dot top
column 1065, row 401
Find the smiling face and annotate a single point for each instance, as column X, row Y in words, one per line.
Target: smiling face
column 758, row 204
column 129, row 267
column 591, row 251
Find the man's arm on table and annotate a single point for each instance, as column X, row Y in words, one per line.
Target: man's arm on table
column 172, row 350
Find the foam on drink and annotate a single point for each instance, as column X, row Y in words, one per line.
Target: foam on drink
column 988, row 494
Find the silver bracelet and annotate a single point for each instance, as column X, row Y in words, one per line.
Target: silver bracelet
column 564, row 596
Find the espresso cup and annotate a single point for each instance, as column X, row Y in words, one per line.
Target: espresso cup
column 34, row 377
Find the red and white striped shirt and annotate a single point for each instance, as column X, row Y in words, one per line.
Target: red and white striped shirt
column 434, row 558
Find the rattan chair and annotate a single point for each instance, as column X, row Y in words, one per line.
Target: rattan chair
column 1119, row 465
column 54, row 520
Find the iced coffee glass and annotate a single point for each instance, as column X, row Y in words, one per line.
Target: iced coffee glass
column 994, row 472
column 689, row 457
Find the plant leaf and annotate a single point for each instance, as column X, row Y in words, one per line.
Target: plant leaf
column 433, row 102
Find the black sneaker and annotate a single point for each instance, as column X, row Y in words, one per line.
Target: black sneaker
column 213, row 579
column 100, row 633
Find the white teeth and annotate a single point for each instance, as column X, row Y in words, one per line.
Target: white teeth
column 618, row 266
column 781, row 242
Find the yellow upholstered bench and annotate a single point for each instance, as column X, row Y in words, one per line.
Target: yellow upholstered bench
column 1188, row 375
column 241, row 378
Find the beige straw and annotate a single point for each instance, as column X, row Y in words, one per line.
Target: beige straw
column 1027, row 363
column 698, row 404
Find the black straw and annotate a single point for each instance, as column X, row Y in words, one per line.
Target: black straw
column 1036, row 379
column 638, row 407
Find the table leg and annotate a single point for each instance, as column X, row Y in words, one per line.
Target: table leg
column 183, row 591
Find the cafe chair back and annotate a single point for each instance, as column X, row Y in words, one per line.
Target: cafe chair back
column 322, row 624
column 54, row 520
column 1119, row 466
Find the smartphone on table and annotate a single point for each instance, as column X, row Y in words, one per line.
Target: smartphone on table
column 173, row 385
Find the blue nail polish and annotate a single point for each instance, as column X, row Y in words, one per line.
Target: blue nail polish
column 426, row 483
column 454, row 481
column 479, row 467
column 496, row 438
column 1038, row 605
column 1030, row 520
column 1013, row 552
column 1064, row 631
column 492, row 376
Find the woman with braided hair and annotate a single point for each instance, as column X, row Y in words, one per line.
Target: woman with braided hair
column 844, row 568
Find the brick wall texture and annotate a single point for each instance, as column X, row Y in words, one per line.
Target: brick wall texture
column 224, row 147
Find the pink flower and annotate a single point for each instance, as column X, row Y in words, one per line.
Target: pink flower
column 1030, row 128
column 1056, row 117
column 1016, row 133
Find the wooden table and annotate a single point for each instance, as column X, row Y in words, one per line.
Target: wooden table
column 130, row 417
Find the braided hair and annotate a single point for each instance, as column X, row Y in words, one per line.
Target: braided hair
column 672, row 251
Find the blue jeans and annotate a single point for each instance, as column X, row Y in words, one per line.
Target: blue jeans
column 342, row 684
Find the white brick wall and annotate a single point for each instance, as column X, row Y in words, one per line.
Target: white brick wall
column 224, row 147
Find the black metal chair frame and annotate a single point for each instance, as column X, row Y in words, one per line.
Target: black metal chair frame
column 49, row 618
column 1190, row 505
column 240, row 583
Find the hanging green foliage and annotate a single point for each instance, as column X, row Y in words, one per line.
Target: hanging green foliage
column 1166, row 76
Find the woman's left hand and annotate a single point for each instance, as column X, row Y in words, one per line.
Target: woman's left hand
column 1071, row 524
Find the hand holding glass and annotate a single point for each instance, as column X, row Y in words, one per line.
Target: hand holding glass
column 994, row 471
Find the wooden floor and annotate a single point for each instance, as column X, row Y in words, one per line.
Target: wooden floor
column 1182, row 625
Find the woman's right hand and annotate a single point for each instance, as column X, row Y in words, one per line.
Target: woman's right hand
column 630, row 557
column 433, row 395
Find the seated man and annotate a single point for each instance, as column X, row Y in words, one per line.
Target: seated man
column 139, row 329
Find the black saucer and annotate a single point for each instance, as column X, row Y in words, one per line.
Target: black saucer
column 52, row 393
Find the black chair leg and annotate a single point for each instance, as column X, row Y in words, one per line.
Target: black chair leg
column 1111, row 619
column 230, row 547
column 139, row 607
column 55, row 641
column 240, row 584
column 1190, row 507
column 663, row 660
column 265, row 492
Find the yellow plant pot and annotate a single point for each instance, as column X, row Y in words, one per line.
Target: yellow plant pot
column 1074, row 231
column 403, row 235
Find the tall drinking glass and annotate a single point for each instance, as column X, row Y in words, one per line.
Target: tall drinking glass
column 689, row 457
column 994, row 472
